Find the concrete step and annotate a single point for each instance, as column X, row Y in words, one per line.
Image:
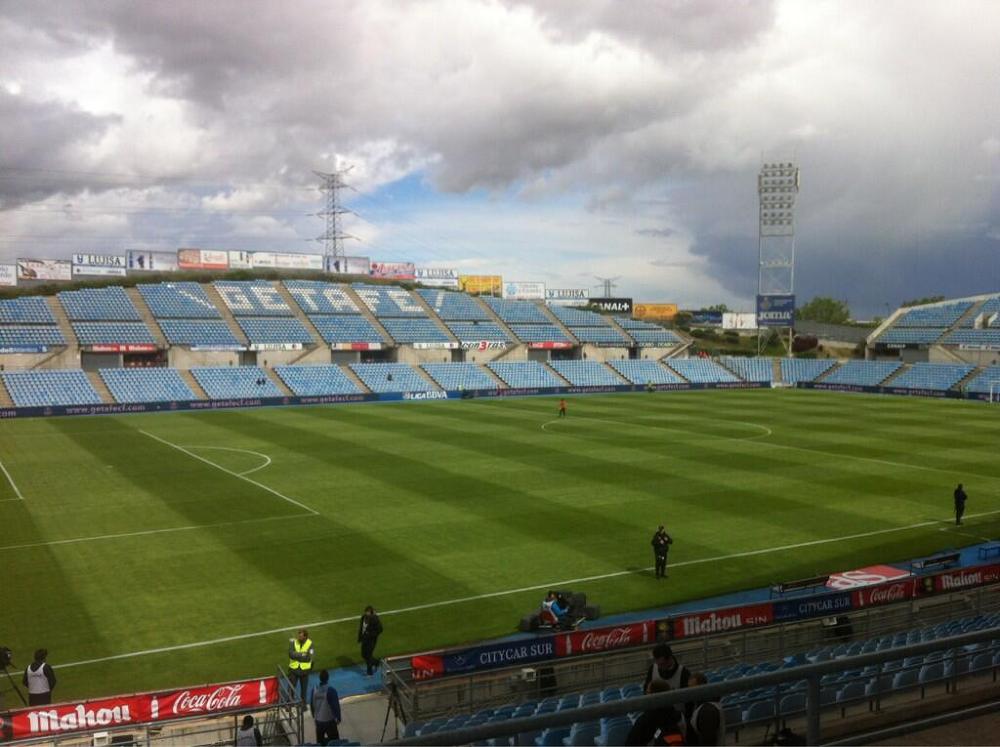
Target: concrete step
column 101, row 387
column 5, row 400
column 367, row 314
column 349, row 373
column 676, row 373
column 192, row 382
column 227, row 315
column 555, row 320
column 273, row 376
column 63, row 321
column 147, row 316
column 895, row 374
column 430, row 313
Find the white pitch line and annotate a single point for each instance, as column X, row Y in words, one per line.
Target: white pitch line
column 237, row 475
column 706, row 436
column 265, row 457
column 145, row 532
column 12, row 484
column 506, row 592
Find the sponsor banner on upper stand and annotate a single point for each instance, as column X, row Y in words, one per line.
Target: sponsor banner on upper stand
column 711, row 318
column 826, row 605
column 718, row 621
column 962, row 578
column 23, row 349
column 551, row 345
column 868, row 576
column 215, row 348
column 654, row 311
column 275, row 346
column 490, row 285
column 739, row 320
column 393, row 270
column 434, row 345
column 8, row 274
column 348, row 265
column 140, row 260
column 775, row 310
column 286, row 261
column 483, row 345
column 356, row 346
column 567, row 296
column 99, row 264
column 132, row 347
column 142, row 708
column 202, row 259
column 606, row 639
column 240, row 260
column 44, row 269
column 613, row 305
column 526, row 290
column 437, row 277
column 978, row 347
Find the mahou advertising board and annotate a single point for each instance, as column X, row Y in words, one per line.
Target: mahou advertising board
column 142, row 708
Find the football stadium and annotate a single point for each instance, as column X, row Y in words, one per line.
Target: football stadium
column 426, row 483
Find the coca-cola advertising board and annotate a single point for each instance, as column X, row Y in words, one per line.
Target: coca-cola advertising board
column 963, row 578
column 718, row 621
column 873, row 596
column 606, row 639
column 142, row 708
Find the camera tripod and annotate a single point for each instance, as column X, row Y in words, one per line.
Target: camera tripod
column 13, row 686
column 394, row 707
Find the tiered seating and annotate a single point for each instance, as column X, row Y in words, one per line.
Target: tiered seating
column 863, row 373
column 751, row 369
column 982, row 381
column 586, row 373
column 389, row 301
column 989, row 312
column 457, row 376
column 659, row 337
column 452, row 306
column 198, row 332
column 539, row 333
column 627, row 322
column 601, row 335
column 146, row 385
column 414, row 330
column 316, row 381
column 252, row 298
column 28, row 322
column 701, row 371
column 578, row 317
column 27, row 310
column 932, row 376
column 178, row 301
column 391, row 377
column 521, row 312
column 113, row 333
column 315, row 297
column 274, row 331
column 346, row 329
column 46, row 388
column 99, row 304
column 912, row 335
column 30, row 336
column 239, row 382
column 524, row 374
column 646, row 372
column 794, row 370
column 471, row 332
column 990, row 336
column 933, row 316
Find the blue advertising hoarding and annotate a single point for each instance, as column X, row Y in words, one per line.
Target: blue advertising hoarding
column 776, row 311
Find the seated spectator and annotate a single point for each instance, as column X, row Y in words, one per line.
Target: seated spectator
column 663, row 724
column 554, row 610
column 707, row 723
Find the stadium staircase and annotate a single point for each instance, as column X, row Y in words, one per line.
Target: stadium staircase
column 960, row 385
column 495, row 317
column 686, row 342
column 370, row 316
column 971, row 313
column 147, row 317
column 678, row 374
column 227, row 315
column 62, row 320
column 827, row 373
column 558, row 323
column 563, row 379
column 613, row 323
column 434, row 317
column 356, row 379
column 433, row 385
column 895, row 375
column 776, row 371
column 318, row 340
column 192, row 382
column 950, row 354
column 5, row 400
column 282, row 386
column 100, row 387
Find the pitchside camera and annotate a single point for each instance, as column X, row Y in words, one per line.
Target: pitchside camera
column 6, row 657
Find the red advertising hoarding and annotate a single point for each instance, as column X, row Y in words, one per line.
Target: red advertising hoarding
column 962, row 578
column 718, row 621
column 142, row 708
column 131, row 347
column 606, row 639
column 550, row 345
column 873, row 596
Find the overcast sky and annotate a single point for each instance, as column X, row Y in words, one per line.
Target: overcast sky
column 551, row 140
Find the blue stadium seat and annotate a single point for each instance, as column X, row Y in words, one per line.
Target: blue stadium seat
column 940, row 376
column 941, row 315
column 44, row 388
column 653, row 336
column 316, row 381
column 794, row 370
column 760, row 710
column 414, row 330
column 539, row 333
column 519, row 312
column 911, row 335
column 272, row 331
column 645, row 372
column 26, row 310
column 346, row 329
column 525, row 375
column 701, row 371
column 252, row 298
column 99, row 304
column 454, row 306
column 391, row 377
column 863, row 373
column 604, row 336
column 146, row 385
column 460, row 376
column 572, row 317
column 113, row 333
column 178, row 301
column 30, row 336
column 751, row 369
column 198, row 332
column 389, row 301
column 475, row 332
column 237, row 382
column 587, row 373
column 315, row 297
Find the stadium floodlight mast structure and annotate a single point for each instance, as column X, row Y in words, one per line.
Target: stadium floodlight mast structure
column 607, row 285
column 333, row 237
column 777, row 188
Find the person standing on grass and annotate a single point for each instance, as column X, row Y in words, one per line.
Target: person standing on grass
column 39, row 679
column 369, row 629
column 661, row 546
column 960, row 498
column 562, row 408
column 300, row 660
column 325, row 707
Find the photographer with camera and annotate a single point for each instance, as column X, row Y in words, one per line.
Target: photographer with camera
column 39, row 679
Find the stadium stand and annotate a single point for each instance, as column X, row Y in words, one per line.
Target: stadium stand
column 27, row 310
column 452, row 306
column 646, row 372
column 932, row 376
column 388, row 301
column 539, row 333
column 113, row 333
column 347, row 329
column 934, row 316
column 414, row 330
column 524, row 374
column 982, row 381
column 460, row 376
column 316, row 381
column 198, row 332
column 601, row 336
column 657, row 337
column 701, row 371
column 110, row 304
column 178, row 301
column 28, row 323
column 472, row 332
column 751, row 369
column 987, row 315
column 239, row 382
column 46, row 388
column 519, row 312
column 274, row 331
column 586, row 373
column 794, row 370
column 252, row 298
column 863, row 373
column 146, row 385
column 990, row 336
column 315, row 297
column 391, row 377
column 12, row 336
column 578, row 317
column 911, row 335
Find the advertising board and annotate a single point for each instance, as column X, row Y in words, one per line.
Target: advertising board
column 393, row 270
column 654, row 311
column 613, row 305
column 567, row 296
column 739, row 320
column 140, row 260
column 44, row 269
column 8, row 274
column 827, row 605
column 240, row 260
column 348, row 265
column 202, row 259
column 437, row 277
column 286, row 261
column 526, row 290
column 962, row 578
column 718, row 621
column 490, row 285
column 99, row 264
column 606, row 639
column 776, row 311
column 712, row 318
column 132, row 347
column 552, row 345
column 476, row 658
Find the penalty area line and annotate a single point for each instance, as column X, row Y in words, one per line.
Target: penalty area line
column 13, row 484
column 237, row 475
column 506, row 592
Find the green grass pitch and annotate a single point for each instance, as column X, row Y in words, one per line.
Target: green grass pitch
column 438, row 513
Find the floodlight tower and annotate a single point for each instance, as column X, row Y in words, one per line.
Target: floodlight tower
column 333, row 237
column 777, row 188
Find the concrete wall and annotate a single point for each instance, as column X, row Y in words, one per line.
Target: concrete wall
column 510, row 353
column 654, row 354
column 68, row 358
column 595, row 353
column 184, row 358
column 407, row 354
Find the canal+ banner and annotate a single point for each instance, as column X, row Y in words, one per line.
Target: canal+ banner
column 776, row 311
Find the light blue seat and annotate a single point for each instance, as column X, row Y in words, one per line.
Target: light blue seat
column 938, row 376
column 905, row 679
column 614, row 732
column 274, row 331
column 254, row 298
column 938, row 315
column 45, row 388
column 751, row 369
column 539, row 333
column 237, row 382
column 25, row 310
column 346, row 329
column 473, row 333
column 552, row 737
column 792, row 703
column 601, row 336
column 701, row 371
column 930, row 674
column 587, row 373
column 110, row 304
column 760, row 710
column 316, row 381
column 321, row 298
column 414, row 330
column 572, row 317
column 198, row 332
column 525, row 374
column 30, row 336
column 389, row 301
column 645, row 372
column 182, row 300
column 453, row 305
column 653, row 337
column 583, row 734
column 113, row 333
column 863, row 373
column 391, row 377
column 520, row 312
column 146, row 385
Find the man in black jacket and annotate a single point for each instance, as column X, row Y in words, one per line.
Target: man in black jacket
column 960, row 498
column 661, row 546
column 369, row 629
column 39, row 679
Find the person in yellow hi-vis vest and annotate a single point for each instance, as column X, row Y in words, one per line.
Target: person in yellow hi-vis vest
column 300, row 660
